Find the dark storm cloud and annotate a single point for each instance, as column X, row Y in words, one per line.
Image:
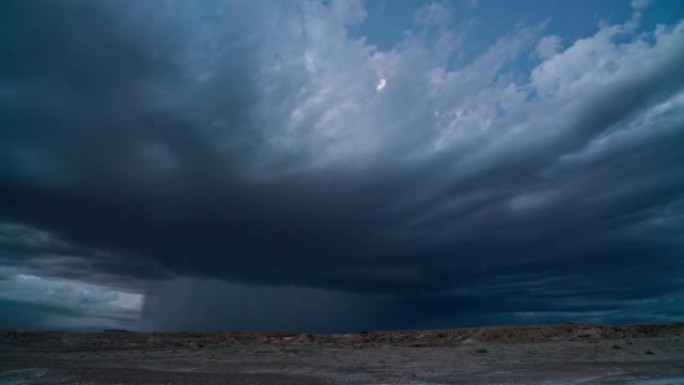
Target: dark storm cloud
column 22, row 315
column 247, row 143
column 18, row 314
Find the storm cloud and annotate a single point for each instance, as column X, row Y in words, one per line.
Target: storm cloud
column 238, row 155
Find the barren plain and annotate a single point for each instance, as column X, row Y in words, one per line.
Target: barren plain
column 553, row 355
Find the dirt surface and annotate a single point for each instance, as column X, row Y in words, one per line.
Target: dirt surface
column 559, row 354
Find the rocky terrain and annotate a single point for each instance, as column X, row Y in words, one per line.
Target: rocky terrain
column 556, row 354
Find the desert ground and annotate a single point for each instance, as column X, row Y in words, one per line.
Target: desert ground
column 558, row 354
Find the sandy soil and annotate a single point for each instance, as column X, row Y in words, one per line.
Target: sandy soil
column 561, row 354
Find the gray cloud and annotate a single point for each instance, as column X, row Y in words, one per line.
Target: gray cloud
column 248, row 143
column 33, row 302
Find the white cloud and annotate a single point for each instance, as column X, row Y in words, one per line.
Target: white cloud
column 477, row 113
column 548, row 46
column 349, row 11
column 435, row 13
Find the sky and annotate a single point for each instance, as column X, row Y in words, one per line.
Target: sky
column 336, row 166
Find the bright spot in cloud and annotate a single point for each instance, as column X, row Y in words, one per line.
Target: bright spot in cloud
column 382, row 82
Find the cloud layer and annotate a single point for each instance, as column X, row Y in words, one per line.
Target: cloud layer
column 249, row 143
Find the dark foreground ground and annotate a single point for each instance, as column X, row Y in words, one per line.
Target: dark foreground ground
column 553, row 355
